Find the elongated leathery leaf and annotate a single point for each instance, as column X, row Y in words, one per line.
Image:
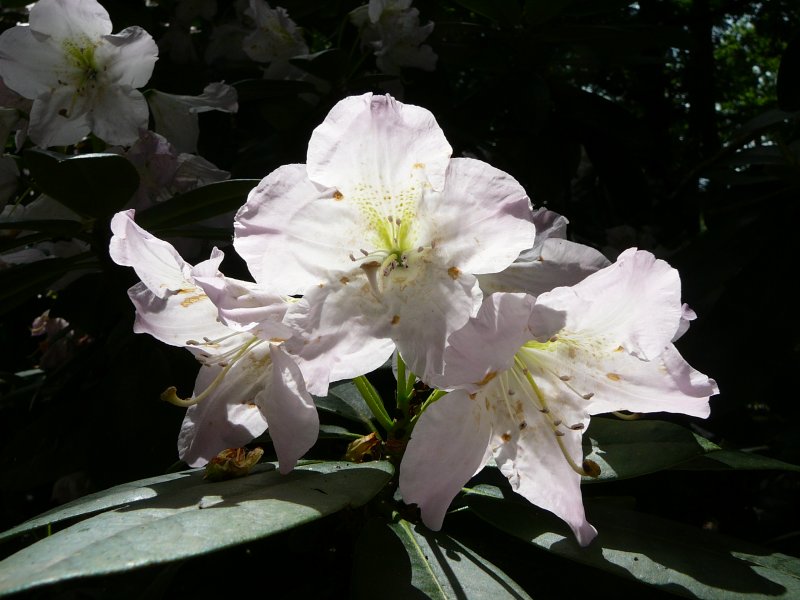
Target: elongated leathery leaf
column 196, row 205
column 421, row 563
column 190, row 517
column 625, row 449
column 677, row 558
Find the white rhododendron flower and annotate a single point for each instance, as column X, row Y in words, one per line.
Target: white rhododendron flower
column 276, row 36
column 528, row 373
column 383, row 233
column 80, row 77
column 391, row 29
column 247, row 382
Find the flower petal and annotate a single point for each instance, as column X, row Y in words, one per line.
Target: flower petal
column 377, row 141
column 482, row 218
column 634, row 302
column 292, row 233
column 553, row 263
column 129, row 57
column 342, row 333
column 185, row 318
column 527, row 452
column 64, row 19
column 59, row 118
column 29, row 65
column 155, row 261
column 230, row 416
column 486, row 345
column 241, row 304
column 119, row 115
column 447, row 447
column 290, row 411
column 596, row 382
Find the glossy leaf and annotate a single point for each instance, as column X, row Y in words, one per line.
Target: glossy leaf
column 345, row 401
column 197, row 204
column 626, row 449
column 189, row 516
column 422, row 564
column 671, row 556
column 95, row 185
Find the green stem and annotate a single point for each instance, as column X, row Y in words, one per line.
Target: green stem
column 434, row 396
column 373, row 400
column 402, row 387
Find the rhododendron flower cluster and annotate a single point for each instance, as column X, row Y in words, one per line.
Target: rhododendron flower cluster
column 382, row 244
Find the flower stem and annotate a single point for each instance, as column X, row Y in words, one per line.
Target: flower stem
column 373, row 400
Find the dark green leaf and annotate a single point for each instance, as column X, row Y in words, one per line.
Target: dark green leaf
column 423, row 564
column 21, row 282
column 625, row 449
column 345, row 401
column 198, row 204
column 95, row 185
column 674, row 557
column 735, row 460
column 182, row 515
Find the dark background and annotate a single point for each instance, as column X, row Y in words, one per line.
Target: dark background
column 669, row 125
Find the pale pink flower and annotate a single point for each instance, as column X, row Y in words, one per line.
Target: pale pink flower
column 80, row 77
column 528, row 373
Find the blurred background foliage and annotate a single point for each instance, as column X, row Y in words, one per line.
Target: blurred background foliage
column 671, row 125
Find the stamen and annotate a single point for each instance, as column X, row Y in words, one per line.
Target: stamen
column 627, row 416
column 171, row 393
column 589, row 468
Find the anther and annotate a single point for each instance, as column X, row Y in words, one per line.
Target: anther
column 364, row 252
column 353, row 258
column 559, row 433
column 588, row 396
column 556, row 422
column 591, row 468
column 577, row 426
column 553, row 339
column 565, row 377
column 544, row 410
column 420, row 249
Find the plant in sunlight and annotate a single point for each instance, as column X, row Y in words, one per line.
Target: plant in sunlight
column 291, row 286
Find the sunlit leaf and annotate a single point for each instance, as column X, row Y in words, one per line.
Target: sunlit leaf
column 184, row 516
column 421, row 563
column 671, row 556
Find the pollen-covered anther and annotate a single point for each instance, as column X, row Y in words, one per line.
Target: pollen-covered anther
column 565, row 377
column 553, row 339
column 454, row 272
column 591, row 468
column 588, row 396
column 613, row 376
column 577, row 426
column 522, row 425
column 544, row 410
